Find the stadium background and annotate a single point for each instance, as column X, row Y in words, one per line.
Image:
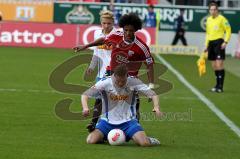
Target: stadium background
column 55, row 15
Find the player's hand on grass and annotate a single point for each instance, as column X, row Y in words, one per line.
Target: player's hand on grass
column 79, row 48
column 85, row 112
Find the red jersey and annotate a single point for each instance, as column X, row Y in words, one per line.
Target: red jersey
column 132, row 54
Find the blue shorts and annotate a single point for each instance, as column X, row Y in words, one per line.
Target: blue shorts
column 129, row 128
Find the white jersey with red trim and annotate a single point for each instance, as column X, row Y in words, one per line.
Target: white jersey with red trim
column 102, row 54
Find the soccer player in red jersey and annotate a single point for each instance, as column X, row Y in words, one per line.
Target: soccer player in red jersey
column 127, row 48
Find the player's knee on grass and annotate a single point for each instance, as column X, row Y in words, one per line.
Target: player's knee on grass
column 94, row 137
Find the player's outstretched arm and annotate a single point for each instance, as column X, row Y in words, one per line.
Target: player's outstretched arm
column 86, row 110
column 156, row 106
column 93, row 64
column 150, row 74
column 97, row 42
column 144, row 89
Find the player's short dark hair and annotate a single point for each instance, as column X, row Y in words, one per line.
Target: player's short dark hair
column 213, row 3
column 121, row 70
column 130, row 19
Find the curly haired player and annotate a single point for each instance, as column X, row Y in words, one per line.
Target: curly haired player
column 127, row 48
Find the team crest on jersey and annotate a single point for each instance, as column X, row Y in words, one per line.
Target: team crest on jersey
column 130, row 53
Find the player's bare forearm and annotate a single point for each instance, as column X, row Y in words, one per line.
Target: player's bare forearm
column 155, row 100
column 156, row 106
column 97, row 42
column 150, row 73
column 84, row 100
column 94, row 62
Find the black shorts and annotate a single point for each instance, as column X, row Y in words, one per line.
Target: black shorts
column 214, row 50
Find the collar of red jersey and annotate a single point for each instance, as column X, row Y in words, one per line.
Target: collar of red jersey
column 128, row 43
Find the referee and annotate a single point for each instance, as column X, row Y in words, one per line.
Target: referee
column 218, row 33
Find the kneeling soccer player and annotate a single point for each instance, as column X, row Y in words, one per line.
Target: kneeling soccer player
column 118, row 94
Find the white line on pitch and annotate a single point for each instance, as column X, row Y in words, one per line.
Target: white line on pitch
column 27, row 90
column 204, row 99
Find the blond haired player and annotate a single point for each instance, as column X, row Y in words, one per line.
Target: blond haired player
column 118, row 94
column 101, row 58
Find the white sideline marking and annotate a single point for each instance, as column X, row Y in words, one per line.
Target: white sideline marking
column 28, row 90
column 204, row 99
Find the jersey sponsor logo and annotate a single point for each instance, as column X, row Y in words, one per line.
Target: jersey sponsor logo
column 121, row 59
column 118, row 97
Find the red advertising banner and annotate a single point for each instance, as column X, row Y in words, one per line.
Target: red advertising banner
column 37, row 35
column 86, row 34
column 55, row 35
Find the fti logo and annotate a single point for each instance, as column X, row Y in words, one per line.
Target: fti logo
column 25, row 13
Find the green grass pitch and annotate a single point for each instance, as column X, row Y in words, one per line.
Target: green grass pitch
column 30, row 128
